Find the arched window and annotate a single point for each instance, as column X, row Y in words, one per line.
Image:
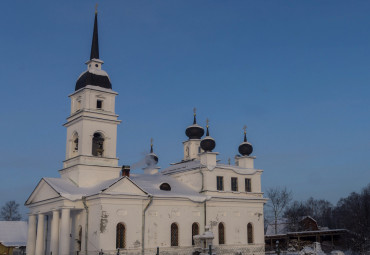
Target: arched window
column 174, row 235
column 194, row 231
column 121, row 236
column 165, row 186
column 97, row 145
column 250, row 232
column 74, row 145
column 221, row 233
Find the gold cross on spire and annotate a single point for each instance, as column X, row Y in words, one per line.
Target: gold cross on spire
column 195, row 111
column 245, row 129
column 207, row 121
column 96, row 8
column 151, row 141
column 228, row 161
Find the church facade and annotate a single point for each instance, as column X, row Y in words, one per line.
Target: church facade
column 98, row 206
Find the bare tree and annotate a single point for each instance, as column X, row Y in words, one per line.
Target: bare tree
column 9, row 212
column 279, row 199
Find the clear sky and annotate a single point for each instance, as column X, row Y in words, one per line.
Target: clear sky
column 296, row 72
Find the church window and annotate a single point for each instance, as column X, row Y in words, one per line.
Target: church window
column 248, row 185
column 97, row 145
column 220, row 183
column 194, row 231
column 174, row 235
column 165, row 186
column 250, row 232
column 121, row 236
column 99, row 104
column 221, row 233
column 234, row 183
column 74, row 145
column 78, row 107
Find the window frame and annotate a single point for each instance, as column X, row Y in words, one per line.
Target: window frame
column 220, row 183
column 248, row 188
column 174, row 235
column 234, row 186
column 120, row 240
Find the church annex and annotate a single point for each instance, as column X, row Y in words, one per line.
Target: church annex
column 98, row 206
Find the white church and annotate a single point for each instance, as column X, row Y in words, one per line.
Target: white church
column 97, row 206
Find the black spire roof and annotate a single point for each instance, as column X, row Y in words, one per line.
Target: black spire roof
column 94, row 75
column 95, row 40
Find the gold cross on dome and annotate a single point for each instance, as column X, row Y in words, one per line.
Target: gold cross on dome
column 207, row 121
column 151, row 141
column 195, row 111
column 96, row 8
column 245, row 129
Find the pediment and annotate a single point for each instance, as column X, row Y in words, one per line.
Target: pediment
column 42, row 192
column 124, row 186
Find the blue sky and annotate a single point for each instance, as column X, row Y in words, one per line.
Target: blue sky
column 296, row 72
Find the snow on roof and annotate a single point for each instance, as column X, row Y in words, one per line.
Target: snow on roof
column 13, row 233
column 150, row 184
column 182, row 166
column 195, row 164
column 147, row 182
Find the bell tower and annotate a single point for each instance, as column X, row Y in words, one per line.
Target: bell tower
column 92, row 125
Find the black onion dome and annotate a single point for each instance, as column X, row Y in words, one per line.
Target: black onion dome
column 245, row 148
column 89, row 78
column 151, row 159
column 208, row 143
column 194, row 131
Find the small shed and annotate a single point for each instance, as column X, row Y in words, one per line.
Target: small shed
column 13, row 237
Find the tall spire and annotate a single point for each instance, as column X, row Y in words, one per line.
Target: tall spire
column 195, row 116
column 245, row 133
column 95, row 42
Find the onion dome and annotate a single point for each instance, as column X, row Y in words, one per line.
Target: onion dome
column 194, row 131
column 208, row 143
column 151, row 159
column 94, row 75
column 245, row 148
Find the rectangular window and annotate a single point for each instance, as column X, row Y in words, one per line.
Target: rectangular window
column 248, row 185
column 234, row 183
column 99, row 104
column 220, row 183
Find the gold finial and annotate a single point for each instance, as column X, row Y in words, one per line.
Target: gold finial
column 96, row 8
column 207, row 121
column 245, row 129
column 195, row 111
column 228, row 161
column 151, row 141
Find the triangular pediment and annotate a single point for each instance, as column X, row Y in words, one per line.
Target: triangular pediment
column 124, row 186
column 42, row 192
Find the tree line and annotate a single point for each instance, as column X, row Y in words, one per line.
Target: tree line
column 351, row 213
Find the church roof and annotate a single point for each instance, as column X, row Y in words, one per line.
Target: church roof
column 191, row 165
column 151, row 184
column 13, row 233
column 143, row 183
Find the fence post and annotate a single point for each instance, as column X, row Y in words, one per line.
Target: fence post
column 157, row 250
column 210, row 249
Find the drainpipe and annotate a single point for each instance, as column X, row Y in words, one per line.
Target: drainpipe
column 205, row 201
column 86, row 223
column 143, row 225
